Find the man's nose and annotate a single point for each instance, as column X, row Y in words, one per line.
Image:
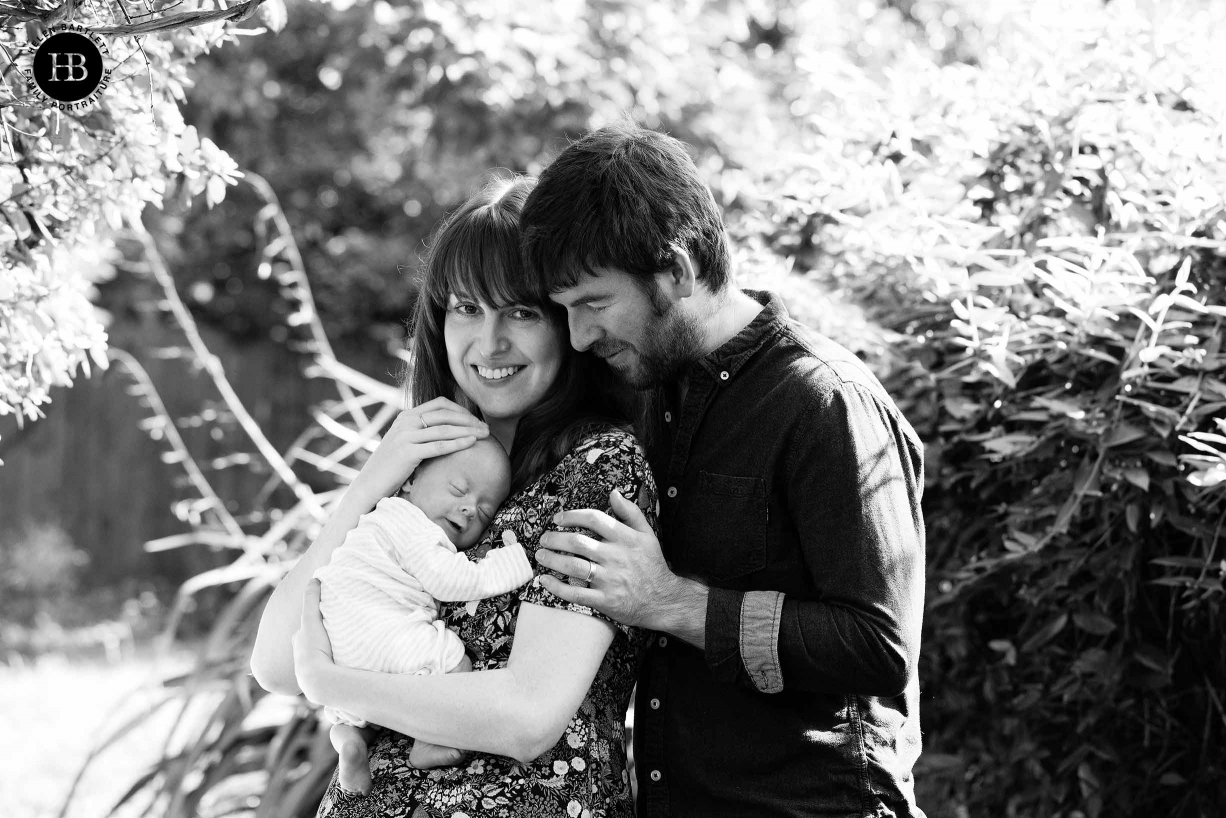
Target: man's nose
column 582, row 334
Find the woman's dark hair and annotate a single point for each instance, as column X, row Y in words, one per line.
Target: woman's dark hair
column 622, row 197
column 476, row 250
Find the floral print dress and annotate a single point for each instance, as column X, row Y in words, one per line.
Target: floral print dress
column 584, row 775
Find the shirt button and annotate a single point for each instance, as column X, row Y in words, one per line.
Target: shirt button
column 655, row 775
column 723, row 376
column 672, row 491
column 668, row 417
column 655, row 704
column 663, row 641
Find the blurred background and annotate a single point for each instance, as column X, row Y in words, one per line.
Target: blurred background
column 1013, row 211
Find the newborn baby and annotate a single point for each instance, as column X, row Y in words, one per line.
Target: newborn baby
column 380, row 590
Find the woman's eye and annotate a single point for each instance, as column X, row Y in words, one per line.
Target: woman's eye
column 525, row 314
column 464, row 308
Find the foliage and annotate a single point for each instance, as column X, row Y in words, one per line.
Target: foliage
column 1043, row 239
column 222, row 754
column 38, row 566
column 1016, row 218
column 72, row 177
column 374, row 119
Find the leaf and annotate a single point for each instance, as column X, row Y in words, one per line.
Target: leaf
column 1207, row 478
column 1089, row 352
column 1094, row 623
column 1194, row 563
column 1046, row 633
column 1152, row 658
column 1064, row 407
column 215, row 191
column 1132, row 516
column 1010, row 444
column 1138, row 476
column 274, row 14
column 994, row 278
column 1162, row 457
column 1123, row 434
column 1151, row 354
column 1006, row 647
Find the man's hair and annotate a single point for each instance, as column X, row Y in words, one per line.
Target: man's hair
column 622, row 197
column 476, row 251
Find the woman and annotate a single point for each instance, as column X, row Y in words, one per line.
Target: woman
column 544, row 715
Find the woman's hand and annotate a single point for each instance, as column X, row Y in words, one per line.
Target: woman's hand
column 431, row 429
column 312, row 647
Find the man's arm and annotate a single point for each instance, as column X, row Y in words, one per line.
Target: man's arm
column 629, row 579
column 854, row 480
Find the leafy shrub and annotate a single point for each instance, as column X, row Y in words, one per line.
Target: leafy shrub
column 67, row 179
column 38, row 567
column 1042, row 240
column 1018, row 221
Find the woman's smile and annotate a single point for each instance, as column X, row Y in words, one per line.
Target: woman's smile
column 499, row 374
column 504, row 357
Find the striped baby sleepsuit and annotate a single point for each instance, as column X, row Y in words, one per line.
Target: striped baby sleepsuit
column 382, row 586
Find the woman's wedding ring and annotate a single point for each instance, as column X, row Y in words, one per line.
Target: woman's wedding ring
column 422, row 418
column 587, row 581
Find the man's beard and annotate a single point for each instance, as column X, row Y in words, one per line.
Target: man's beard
column 671, row 342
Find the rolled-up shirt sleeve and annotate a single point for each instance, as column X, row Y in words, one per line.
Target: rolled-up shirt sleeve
column 854, row 482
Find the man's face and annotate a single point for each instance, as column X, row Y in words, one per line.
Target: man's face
column 643, row 335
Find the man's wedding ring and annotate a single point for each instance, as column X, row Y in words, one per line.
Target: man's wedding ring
column 588, row 579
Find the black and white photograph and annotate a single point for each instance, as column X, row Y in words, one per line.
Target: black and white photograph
column 612, row 409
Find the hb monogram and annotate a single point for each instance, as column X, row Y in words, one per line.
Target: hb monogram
column 71, row 63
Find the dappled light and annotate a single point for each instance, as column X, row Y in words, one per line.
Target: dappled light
column 1012, row 212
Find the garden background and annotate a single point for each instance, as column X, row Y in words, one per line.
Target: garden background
column 1012, row 210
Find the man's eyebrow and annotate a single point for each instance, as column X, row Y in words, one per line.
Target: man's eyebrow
column 587, row 299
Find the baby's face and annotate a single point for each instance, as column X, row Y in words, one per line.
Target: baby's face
column 461, row 492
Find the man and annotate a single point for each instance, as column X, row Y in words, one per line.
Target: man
column 788, row 592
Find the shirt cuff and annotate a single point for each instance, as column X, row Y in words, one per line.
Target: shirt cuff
column 761, row 613
column 742, row 638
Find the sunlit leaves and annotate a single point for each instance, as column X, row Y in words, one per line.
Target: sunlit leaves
column 68, row 180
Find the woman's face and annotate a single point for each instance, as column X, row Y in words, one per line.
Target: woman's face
column 503, row 358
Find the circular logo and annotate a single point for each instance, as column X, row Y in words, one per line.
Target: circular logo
column 68, row 69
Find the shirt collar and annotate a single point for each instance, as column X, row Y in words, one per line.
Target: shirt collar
column 738, row 349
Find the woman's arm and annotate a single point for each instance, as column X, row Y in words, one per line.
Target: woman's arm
column 272, row 659
column 432, row 429
column 519, row 711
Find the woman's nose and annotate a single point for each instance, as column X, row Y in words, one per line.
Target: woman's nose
column 494, row 338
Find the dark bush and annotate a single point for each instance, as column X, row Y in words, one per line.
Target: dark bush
column 1042, row 241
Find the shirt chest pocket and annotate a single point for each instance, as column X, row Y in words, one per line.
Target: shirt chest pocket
column 725, row 529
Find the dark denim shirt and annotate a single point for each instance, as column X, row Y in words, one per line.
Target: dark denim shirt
column 790, row 484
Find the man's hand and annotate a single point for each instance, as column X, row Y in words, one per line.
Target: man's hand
column 621, row 572
column 312, row 647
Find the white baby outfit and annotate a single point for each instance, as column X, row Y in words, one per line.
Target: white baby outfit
column 381, row 589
